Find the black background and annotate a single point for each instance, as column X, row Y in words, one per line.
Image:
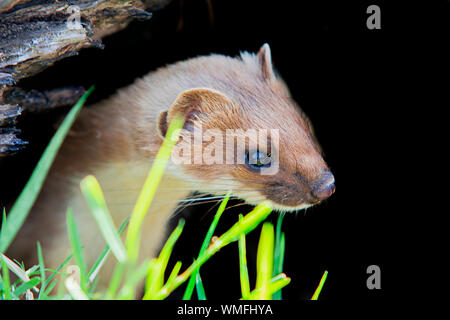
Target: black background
column 349, row 80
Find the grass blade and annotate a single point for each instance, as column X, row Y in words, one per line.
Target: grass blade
column 26, row 286
column 175, row 271
column 155, row 279
column 115, row 281
column 127, row 292
column 49, row 288
column 27, row 197
column 104, row 255
column 42, row 271
column 189, row 288
column 243, row 269
column 199, row 286
column 193, row 280
column 274, row 285
column 264, row 261
column 77, row 249
column 247, row 224
column 320, row 286
column 213, row 225
column 5, row 281
column 57, row 271
column 15, row 268
column 2, row 229
column 149, row 189
column 166, row 251
column 279, row 252
column 94, row 197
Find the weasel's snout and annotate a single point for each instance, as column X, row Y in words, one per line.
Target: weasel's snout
column 325, row 187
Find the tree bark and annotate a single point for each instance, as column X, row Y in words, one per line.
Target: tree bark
column 35, row 34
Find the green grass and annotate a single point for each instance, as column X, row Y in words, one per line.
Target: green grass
column 196, row 279
column 320, row 286
column 39, row 282
column 27, row 197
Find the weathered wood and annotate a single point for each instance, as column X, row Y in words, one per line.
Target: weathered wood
column 8, row 114
column 9, row 142
column 36, row 102
column 35, row 34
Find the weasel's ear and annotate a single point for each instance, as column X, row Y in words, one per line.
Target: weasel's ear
column 265, row 59
column 194, row 105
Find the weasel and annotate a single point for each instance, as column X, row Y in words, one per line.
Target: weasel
column 117, row 139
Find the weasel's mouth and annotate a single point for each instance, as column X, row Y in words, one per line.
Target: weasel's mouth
column 287, row 204
column 291, row 200
column 285, row 208
column 282, row 207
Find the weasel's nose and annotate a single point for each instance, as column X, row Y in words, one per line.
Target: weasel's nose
column 324, row 188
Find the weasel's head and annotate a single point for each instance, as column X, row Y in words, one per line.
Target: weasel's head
column 245, row 133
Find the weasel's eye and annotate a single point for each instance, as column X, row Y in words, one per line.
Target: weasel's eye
column 257, row 160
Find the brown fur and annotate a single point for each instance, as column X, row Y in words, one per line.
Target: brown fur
column 117, row 139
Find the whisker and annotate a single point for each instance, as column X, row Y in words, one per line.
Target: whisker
column 238, row 205
column 224, row 190
column 180, row 208
column 207, row 198
column 181, row 188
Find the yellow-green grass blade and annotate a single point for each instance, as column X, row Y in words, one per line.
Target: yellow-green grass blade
column 247, row 224
column 27, row 197
column 115, row 281
column 243, row 269
column 274, row 285
column 175, row 271
column 155, row 278
column 93, row 194
column 264, row 261
column 320, row 286
column 149, row 189
column 138, row 274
